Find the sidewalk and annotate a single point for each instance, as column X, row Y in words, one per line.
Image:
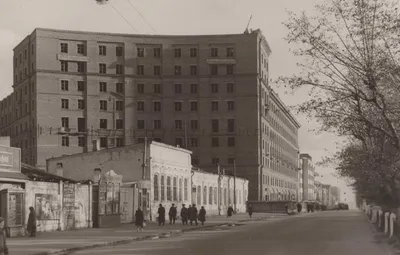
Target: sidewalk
column 54, row 242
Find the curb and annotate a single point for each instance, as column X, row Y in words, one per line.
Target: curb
column 142, row 238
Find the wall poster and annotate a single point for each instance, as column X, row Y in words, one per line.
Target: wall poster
column 47, row 207
column 69, row 205
column 15, row 209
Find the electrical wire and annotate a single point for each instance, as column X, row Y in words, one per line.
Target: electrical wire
column 122, row 16
column 145, row 20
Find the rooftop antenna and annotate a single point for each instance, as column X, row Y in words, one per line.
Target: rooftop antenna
column 247, row 27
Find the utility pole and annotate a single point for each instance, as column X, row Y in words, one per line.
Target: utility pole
column 234, row 184
column 144, row 159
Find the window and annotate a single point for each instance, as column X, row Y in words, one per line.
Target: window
column 81, row 67
column 178, row 106
column 230, row 69
column 103, row 123
column 65, row 141
column 119, row 51
column 231, row 105
column 64, row 48
column 178, row 124
column 65, row 122
column 195, row 161
column 81, row 86
column 140, row 124
column 102, row 50
column 178, row 70
column 162, row 188
column 214, row 69
column 119, row 69
column 119, row 105
column 102, row 68
column 214, row 106
column 231, row 141
column 157, row 124
column 155, row 179
column 81, row 49
column 214, row 52
column 140, row 52
column 157, row 88
column 103, row 142
column 193, row 106
column 103, row 105
column 214, row 88
column 194, row 143
column 119, row 124
column 140, row 88
column 185, row 188
column 193, row 88
column 175, row 189
column 215, row 126
column 193, row 52
column 230, row 87
column 205, row 195
column 215, row 160
column 157, row 106
column 64, row 85
column 215, row 141
column 140, row 106
column 193, row 70
column 81, row 141
column 180, row 190
column 178, row 142
column 194, row 124
column 230, row 52
column 169, row 188
column 178, row 88
column 157, row 52
column 119, row 87
column 140, row 70
column 231, row 161
column 81, row 104
column 215, row 195
column 64, row 103
column 157, row 70
column 103, row 86
column 178, row 52
column 120, row 142
column 231, row 125
column 64, row 66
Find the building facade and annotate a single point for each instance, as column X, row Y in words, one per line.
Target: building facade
column 335, row 195
column 206, row 93
column 307, row 175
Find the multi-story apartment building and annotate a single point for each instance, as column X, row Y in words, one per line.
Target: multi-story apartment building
column 207, row 93
column 307, row 176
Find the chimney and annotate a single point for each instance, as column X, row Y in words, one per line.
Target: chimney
column 96, row 145
column 60, row 169
column 97, row 175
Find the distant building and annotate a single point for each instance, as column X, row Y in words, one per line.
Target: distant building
column 307, row 178
column 207, row 93
column 326, row 194
column 335, row 195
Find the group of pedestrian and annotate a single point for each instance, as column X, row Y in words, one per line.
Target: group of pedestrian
column 190, row 214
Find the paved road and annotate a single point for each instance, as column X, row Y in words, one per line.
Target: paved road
column 326, row 233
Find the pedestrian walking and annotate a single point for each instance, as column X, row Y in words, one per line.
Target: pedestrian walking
column 299, row 207
column 250, row 210
column 287, row 208
column 3, row 242
column 172, row 214
column 32, row 222
column 139, row 219
column 193, row 215
column 184, row 215
column 202, row 215
column 230, row 211
column 161, row 215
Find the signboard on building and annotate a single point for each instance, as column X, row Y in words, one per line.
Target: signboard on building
column 10, row 159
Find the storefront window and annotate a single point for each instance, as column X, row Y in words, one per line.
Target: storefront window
column 162, row 188
column 175, row 189
column 169, row 188
column 155, row 187
column 180, row 190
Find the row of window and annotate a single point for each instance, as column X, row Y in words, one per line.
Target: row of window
column 119, row 123
column 141, row 51
column 215, row 142
column 103, row 86
column 178, row 88
column 104, row 141
column 194, row 125
column 268, row 180
column 178, row 106
column 19, row 60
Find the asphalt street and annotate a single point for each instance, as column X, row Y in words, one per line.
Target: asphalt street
column 326, row 233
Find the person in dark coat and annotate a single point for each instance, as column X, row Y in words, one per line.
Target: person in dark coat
column 230, row 212
column 193, row 215
column 3, row 239
column 287, row 208
column 32, row 222
column 172, row 214
column 250, row 210
column 202, row 215
column 161, row 215
column 299, row 208
column 139, row 219
column 184, row 215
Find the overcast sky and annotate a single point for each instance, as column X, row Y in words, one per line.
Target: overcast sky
column 18, row 18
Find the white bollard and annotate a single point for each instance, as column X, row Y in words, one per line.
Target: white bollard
column 392, row 222
column 380, row 214
column 387, row 214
